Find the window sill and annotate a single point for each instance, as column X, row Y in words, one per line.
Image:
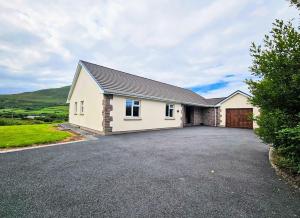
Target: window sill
column 169, row 118
column 132, row 118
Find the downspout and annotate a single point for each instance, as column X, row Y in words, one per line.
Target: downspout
column 215, row 116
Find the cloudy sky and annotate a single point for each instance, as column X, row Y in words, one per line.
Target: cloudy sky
column 201, row 45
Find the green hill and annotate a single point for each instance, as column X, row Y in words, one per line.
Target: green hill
column 34, row 100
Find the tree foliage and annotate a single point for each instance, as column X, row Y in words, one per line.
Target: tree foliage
column 277, row 65
column 296, row 3
column 276, row 91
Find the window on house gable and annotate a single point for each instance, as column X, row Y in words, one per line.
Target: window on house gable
column 169, row 110
column 132, row 108
column 81, row 107
column 75, row 108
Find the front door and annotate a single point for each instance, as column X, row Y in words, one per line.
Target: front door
column 188, row 114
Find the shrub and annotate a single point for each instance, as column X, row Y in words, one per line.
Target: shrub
column 270, row 123
column 287, row 145
column 275, row 91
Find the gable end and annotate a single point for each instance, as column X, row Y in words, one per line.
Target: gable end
column 232, row 95
column 79, row 68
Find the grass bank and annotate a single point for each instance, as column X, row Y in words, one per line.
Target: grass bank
column 26, row 135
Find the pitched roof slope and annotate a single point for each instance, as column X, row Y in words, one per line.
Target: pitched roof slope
column 214, row 101
column 121, row 83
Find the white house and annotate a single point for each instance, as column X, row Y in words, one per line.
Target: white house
column 108, row 101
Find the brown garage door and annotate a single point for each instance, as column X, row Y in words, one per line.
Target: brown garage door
column 239, row 118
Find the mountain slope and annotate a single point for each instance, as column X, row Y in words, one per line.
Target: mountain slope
column 37, row 99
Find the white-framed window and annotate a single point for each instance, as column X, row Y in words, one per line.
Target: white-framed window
column 169, row 110
column 81, row 107
column 132, row 108
column 75, row 107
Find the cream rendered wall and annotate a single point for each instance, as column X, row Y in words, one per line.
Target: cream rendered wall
column 87, row 90
column 237, row 101
column 152, row 115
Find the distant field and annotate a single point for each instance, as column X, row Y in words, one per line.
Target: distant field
column 47, row 106
column 58, row 110
column 25, row 135
column 17, row 121
column 16, row 116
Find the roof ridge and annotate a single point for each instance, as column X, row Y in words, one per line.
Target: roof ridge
column 143, row 77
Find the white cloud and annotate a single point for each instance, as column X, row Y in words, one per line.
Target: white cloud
column 185, row 43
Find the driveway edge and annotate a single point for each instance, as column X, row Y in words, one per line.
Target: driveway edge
column 288, row 178
column 38, row 146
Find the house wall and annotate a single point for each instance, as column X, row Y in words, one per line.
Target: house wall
column 152, row 116
column 237, row 101
column 87, row 90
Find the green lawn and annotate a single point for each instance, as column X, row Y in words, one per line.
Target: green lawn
column 25, row 135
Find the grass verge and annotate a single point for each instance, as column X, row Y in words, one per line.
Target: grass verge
column 26, row 135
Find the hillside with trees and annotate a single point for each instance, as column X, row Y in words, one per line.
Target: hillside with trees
column 37, row 99
column 48, row 105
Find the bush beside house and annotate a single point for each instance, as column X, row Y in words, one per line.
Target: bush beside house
column 277, row 92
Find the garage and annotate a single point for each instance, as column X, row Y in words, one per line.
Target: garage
column 239, row 118
column 236, row 111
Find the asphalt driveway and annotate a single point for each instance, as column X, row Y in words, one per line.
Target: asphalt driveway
column 191, row 172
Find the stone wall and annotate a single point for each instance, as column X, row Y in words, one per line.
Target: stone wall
column 209, row 116
column 218, row 116
column 182, row 115
column 107, row 118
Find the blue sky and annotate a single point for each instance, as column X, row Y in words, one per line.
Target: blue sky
column 201, row 45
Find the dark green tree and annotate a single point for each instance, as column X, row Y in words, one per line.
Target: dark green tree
column 276, row 91
column 276, row 64
column 296, row 3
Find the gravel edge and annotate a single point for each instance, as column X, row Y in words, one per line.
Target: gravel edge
column 38, row 146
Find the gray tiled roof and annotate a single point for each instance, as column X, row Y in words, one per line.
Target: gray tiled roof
column 214, row 101
column 121, row 83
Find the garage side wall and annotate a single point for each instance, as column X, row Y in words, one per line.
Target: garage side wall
column 87, row 90
column 237, row 101
column 211, row 116
column 152, row 116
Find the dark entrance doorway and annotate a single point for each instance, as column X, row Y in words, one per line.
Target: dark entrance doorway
column 188, row 114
